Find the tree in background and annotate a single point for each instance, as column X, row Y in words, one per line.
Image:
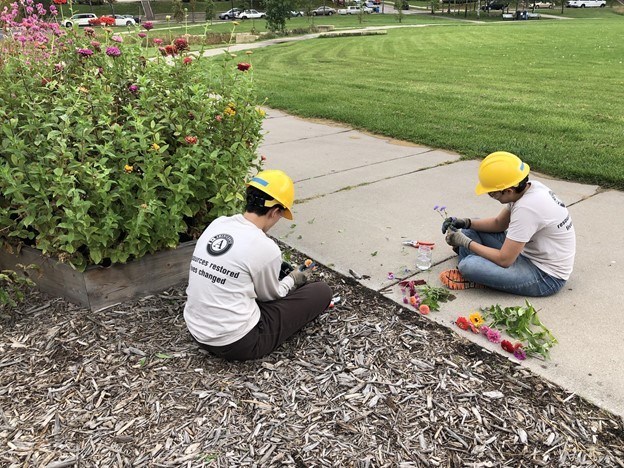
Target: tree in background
column 193, row 7
column 278, row 11
column 178, row 11
column 110, row 2
column 210, row 10
column 398, row 6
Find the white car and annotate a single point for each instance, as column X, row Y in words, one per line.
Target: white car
column 123, row 20
column 79, row 19
column 354, row 10
column 586, row 3
column 541, row 4
column 251, row 14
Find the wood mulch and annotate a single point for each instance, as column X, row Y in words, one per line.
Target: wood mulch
column 368, row 384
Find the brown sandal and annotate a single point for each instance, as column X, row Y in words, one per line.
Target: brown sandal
column 454, row 280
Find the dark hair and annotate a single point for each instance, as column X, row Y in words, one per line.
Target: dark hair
column 521, row 185
column 255, row 201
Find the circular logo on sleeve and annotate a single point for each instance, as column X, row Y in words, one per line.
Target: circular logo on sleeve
column 220, row 244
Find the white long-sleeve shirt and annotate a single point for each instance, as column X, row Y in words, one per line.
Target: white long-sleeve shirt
column 234, row 264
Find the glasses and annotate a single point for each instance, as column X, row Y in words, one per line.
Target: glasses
column 496, row 195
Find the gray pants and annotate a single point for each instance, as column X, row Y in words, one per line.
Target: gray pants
column 279, row 320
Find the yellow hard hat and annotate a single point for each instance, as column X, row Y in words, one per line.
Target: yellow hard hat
column 499, row 171
column 278, row 185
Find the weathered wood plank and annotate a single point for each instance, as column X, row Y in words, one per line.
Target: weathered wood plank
column 99, row 287
column 148, row 275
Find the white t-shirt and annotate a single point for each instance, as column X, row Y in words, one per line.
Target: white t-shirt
column 234, row 263
column 543, row 222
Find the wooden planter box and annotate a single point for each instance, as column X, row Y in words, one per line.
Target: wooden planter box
column 97, row 287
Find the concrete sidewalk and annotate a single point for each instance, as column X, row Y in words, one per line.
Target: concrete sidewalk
column 359, row 196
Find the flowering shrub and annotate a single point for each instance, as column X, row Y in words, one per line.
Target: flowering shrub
column 102, row 21
column 108, row 156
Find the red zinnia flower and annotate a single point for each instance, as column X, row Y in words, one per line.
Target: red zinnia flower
column 60, row 2
column 191, row 140
column 507, row 346
column 170, row 50
column 187, row 60
column 181, row 44
column 148, row 25
column 463, row 323
column 243, row 66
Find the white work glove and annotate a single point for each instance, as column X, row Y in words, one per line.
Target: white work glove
column 299, row 277
column 457, row 239
column 455, row 223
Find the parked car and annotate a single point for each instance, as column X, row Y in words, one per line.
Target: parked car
column 323, row 11
column 373, row 6
column 251, row 14
column 542, row 4
column 230, row 14
column 123, row 20
column 586, row 3
column 495, row 5
column 79, row 19
column 354, row 10
column 137, row 19
column 294, row 13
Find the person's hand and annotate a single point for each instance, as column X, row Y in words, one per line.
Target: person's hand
column 299, row 277
column 457, row 223
column 458, row 239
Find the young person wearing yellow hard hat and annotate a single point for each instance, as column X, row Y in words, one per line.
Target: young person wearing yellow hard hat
column 237, row 306
column 527, row 249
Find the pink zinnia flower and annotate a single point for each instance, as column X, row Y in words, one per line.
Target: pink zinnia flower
column 85, row 52
column 89, row 31
column 113, row 51
column 493, row 335
column 187, row 60
column 96, row 45
column 148, row 25
column 133, row 88
column 219, row 118
column 158, row 41
column 142, row 35
column 116, row 38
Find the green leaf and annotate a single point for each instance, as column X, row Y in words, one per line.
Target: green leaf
column 163, row 356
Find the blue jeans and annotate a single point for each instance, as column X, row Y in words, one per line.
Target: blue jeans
column 522, row 277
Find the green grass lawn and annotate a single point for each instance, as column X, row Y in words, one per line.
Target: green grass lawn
column 549, row 91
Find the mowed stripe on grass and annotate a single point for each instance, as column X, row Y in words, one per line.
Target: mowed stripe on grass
column 550, row 91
